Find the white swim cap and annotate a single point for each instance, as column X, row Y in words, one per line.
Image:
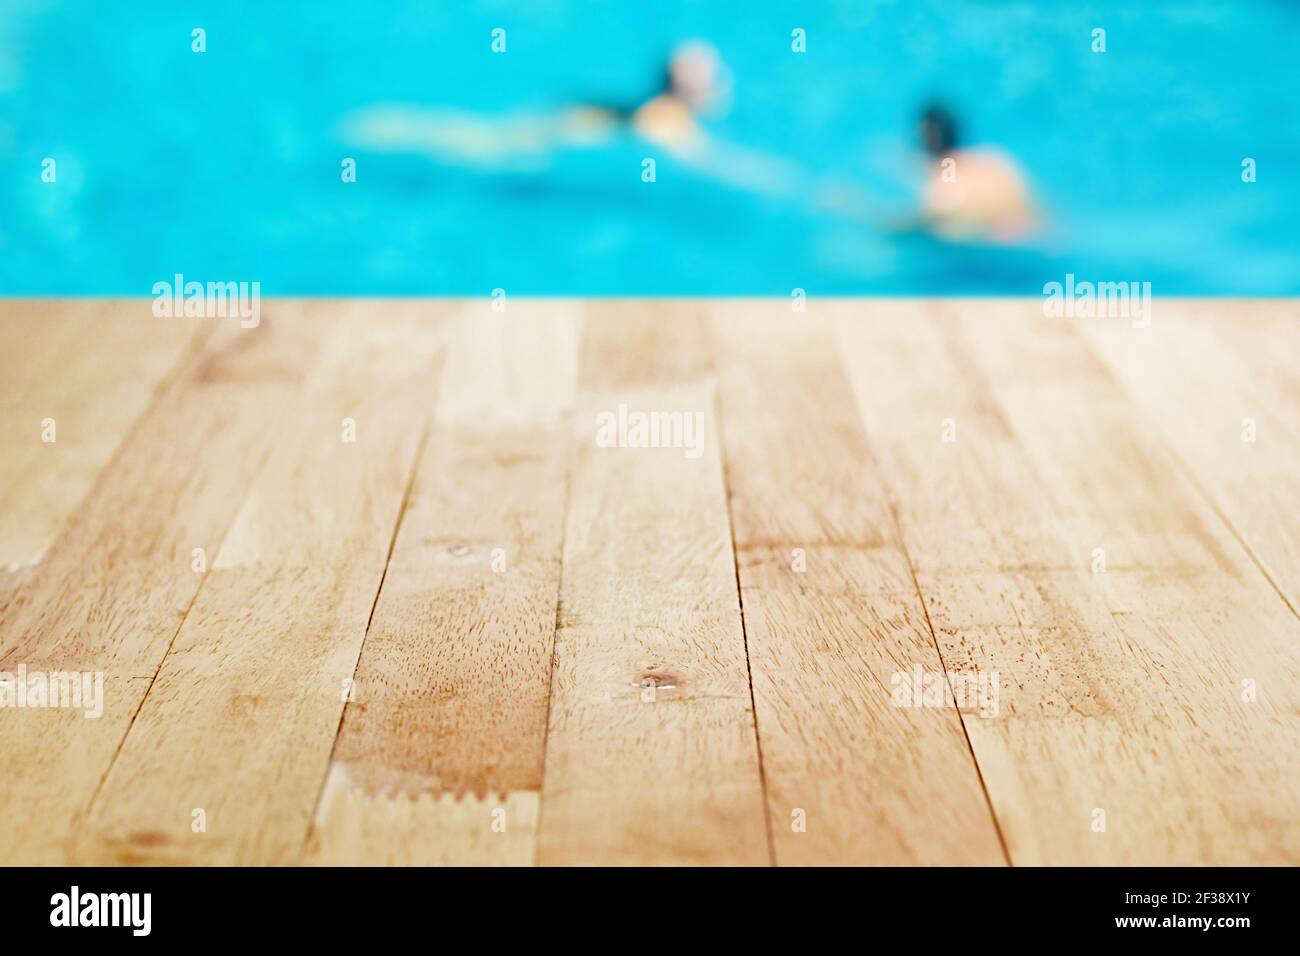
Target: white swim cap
column 699, row 77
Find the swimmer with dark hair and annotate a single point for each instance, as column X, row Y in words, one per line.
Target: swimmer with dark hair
column 971, row 192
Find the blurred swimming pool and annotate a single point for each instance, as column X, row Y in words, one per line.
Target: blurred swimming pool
column 226, row 164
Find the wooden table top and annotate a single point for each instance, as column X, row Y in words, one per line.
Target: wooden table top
column 624, row 581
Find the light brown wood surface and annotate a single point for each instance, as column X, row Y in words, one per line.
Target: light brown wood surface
column 89, row 369
column 241, row 718
column 832, row 612
column 1123, row 681
column 1225, row 394
column 476, row 635
column 439, row 758
column 651, row 752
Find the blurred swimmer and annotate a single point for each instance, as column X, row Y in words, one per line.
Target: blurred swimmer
column 971, row 193
column 696, row 84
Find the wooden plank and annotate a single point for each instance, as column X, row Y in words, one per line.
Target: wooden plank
column 651, row 757
column 35, row 336
column 1264, row 335
column 236, row 731
column 439, row 757
column 1220, row 381
column 115, row 585
column 104, row 365
column 832, row 615
column 1123, row 687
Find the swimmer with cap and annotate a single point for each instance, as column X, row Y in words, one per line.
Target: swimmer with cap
column 696, row 82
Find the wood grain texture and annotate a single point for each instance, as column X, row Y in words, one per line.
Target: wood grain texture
column 92, row 369
column 242, row 717
column 36, row 336
column 832, row 615
column 1234, row 422
column 115, row 585
column 1067, row 510
column 651, row 755
column 1122, row 688
column 439, row 758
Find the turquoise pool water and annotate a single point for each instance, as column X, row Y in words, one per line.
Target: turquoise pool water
column 226, row 164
